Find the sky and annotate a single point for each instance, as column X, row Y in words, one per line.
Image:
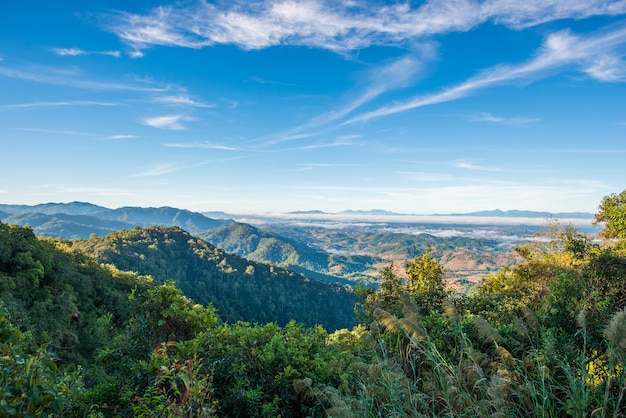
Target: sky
column 420, row 107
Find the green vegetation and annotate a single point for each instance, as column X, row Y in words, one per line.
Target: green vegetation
column 257, row 245
column 543, row 338
column 240, row 289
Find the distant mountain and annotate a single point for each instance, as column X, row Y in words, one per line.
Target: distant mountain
column 240, row 289
column 307, row 212
column 190, row 221
column 217, row 215
column 72, row 208
column 525, row 214
column 79, row 220
column 254, row 244
column 63, row 225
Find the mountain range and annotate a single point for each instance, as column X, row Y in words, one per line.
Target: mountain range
column 78, row 220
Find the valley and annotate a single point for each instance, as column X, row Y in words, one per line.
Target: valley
column 345, row 248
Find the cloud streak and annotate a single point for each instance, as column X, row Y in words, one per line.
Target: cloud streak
column 75, row 52
column 561, row 49
column 202, row 145
column 57, row 104
column 489, row 118
column 181, row 100
column 72, row 78
column 171, row 122
column 338, row 26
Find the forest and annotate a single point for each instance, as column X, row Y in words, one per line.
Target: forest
column 154, row 322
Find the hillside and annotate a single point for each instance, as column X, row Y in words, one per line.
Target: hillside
column 545, row 337
column 64, row 225
column 465, row 259
column 240, row 289
column 78, row 220
column 255, row 244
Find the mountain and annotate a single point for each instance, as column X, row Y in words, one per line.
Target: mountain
column 526, row 214
column 240, row 289
column 80, row 220
column 63, row 225
column 190, row 221
column 72, row 208
column 254, row 244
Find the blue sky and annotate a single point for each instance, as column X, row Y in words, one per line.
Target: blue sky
column 256, row 106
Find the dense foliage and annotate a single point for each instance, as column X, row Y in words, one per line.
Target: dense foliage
column 254, row 244
column 240, row 289
column 542, row 338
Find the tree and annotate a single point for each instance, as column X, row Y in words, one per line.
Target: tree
column 426, row 281
column 612, row 211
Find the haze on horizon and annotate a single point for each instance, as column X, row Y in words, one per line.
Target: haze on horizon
column 276, row 106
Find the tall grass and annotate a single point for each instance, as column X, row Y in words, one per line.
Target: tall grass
column 477, row 376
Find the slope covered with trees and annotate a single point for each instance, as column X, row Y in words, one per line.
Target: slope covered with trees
column 543, row 338
column 240, row 289
column 254, row 244
column 78, row 220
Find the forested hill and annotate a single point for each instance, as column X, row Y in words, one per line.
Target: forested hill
column 240, row 289
column 78, row 220
column 254, row 244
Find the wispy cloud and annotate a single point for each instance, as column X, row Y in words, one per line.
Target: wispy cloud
column 74, row 52
column 560, row 49
column 57, row 132
column 311, row 166
column 337, row 26
column 121, row 136
column 161, row 169
column 393, row 75
column 488, row 117
column 168, row 168
column 57, row 104
column 469, row 166
column 421, row 176
column 272, row 82
column 181, row 100
column 202, row 145
column 72, row 77
column 172, row 122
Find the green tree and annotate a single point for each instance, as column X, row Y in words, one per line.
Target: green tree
column 612, row 211
column 426, row 281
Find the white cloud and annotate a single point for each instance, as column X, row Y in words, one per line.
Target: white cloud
column 468, row 166
column 181, row 99
column 73, row 78
column 421, row 176
column 202, row 145
column 337, row 26
column 74, row 52
column 57, row 104
column 160, row 170
column 488, row 117
column 115, row 137
column 173, row 122
column 560, row 49
column 395, row 74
